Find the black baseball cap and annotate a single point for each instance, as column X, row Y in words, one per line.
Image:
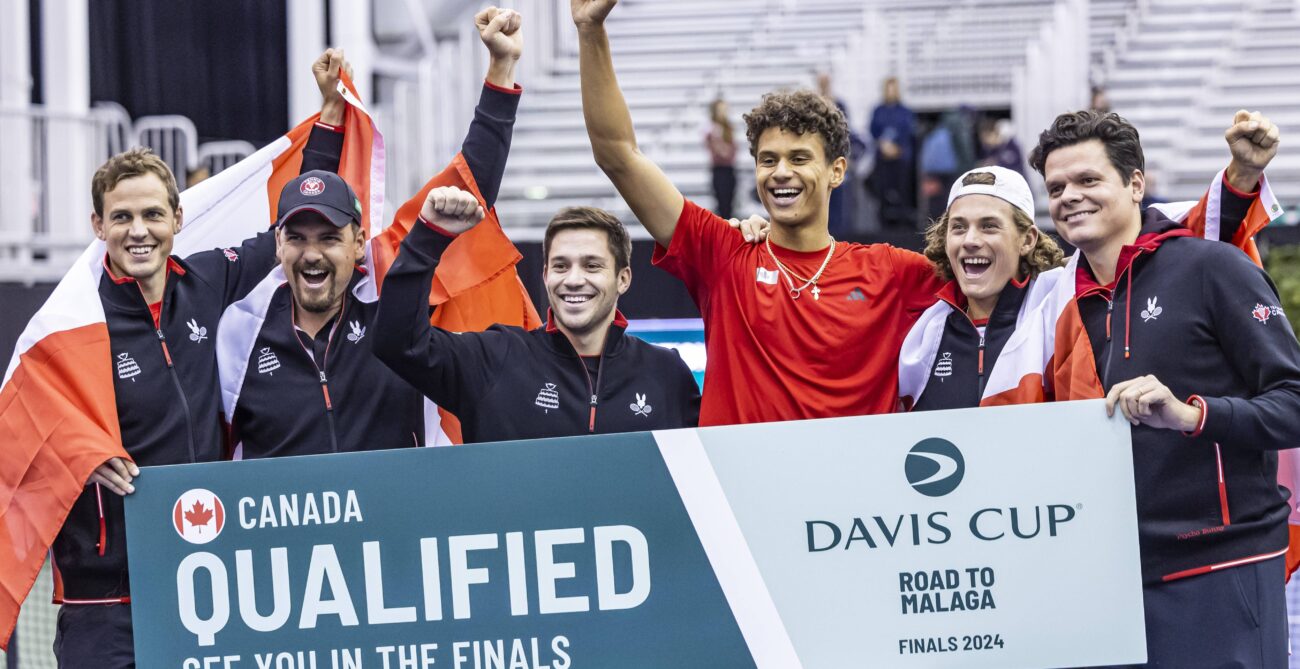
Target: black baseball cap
column 325, row 193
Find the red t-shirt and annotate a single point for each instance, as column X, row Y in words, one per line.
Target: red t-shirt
column 771, row 357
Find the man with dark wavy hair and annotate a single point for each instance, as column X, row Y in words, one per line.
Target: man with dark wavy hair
column 801, row 326
column 1189, row 341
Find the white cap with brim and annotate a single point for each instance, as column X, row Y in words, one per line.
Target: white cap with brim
column 1007, row 185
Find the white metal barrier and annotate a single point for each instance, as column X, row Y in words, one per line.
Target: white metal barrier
column 174, row 139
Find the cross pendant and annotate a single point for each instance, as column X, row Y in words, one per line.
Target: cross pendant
column 817, row 293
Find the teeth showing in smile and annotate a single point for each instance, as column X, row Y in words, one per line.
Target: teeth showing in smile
column 575, row 299
column 314, row 276
column 1076, row 216
column 785, row 192
column 139, row 251
column 974, row 267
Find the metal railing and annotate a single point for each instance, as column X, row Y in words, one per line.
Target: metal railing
column 46, row 166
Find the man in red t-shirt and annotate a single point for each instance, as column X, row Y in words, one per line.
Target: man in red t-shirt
column 802, row 326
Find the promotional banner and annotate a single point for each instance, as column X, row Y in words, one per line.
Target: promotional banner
column 1002, row 537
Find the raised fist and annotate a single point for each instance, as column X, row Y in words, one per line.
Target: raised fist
column 452, row 209
column 1253, row 140
column 327, row 70
column 500, row 31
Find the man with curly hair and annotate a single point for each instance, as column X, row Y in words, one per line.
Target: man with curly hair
column 802, row 326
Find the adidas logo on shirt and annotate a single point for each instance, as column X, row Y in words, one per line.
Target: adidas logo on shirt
column 857, row 295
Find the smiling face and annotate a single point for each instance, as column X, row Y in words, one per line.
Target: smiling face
column 138, row 225
column 984, row 247
column 318, row 259
column 794, row 178
column 582, row 281
column 1088, row 198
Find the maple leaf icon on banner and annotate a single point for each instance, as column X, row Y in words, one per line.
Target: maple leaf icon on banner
column 198, row 515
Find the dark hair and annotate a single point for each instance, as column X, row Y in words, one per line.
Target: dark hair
column 799, row 112
column 1118, row 136
column 1044, row 256
column 132, row 163
column 574, row 218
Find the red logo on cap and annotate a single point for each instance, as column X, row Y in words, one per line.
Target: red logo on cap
column 312, row 186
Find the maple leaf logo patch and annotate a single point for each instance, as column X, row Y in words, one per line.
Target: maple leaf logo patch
column 1263, row 312
column 199, row 516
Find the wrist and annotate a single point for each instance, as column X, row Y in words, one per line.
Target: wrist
column 1241, row 178
column 440, row 229
column 1192, row 416
column 589, row 29
column 501, row 72
column 331, row 112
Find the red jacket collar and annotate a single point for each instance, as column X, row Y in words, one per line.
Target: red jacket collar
column 619, row 321
column 1147, row 242
column 172, row 266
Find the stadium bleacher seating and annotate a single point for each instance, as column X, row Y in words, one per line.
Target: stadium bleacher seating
column 1189, row 65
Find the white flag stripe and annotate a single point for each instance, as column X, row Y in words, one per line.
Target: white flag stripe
column 729, row 554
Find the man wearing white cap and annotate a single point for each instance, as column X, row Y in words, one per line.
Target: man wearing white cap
column 986, row 246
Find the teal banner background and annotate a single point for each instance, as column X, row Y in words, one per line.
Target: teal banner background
column 405, row 495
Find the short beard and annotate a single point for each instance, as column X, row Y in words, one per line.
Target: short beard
column 322, row 306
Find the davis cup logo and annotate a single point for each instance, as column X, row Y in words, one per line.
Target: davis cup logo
column 934, row 467
column 199, row 516
column 312, row 186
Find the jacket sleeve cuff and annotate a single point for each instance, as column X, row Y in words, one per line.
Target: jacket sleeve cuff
column 325, row 126
column 1216, row 419
column 1245, row 196
column 515, row 90
column 498, row 102
column 437, row 228
column 1198, row 402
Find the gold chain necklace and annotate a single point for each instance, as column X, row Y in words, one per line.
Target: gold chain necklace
column 788, row 274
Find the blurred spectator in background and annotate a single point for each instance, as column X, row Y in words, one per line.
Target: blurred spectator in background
column 721, row 142
column 1098, row 101
column 998, row 146
column 949, row 150
column 844, row 207
column 893, row 127
column 1152, row 193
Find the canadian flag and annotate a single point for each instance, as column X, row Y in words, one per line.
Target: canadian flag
column 58, row 417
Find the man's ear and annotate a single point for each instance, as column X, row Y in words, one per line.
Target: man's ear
column 839, row 167
column 177, row 220
column 1138, row 182
column 1030, row 241
column 624, row 280
column 360, row 240
column 97, row 224
column 279, row 243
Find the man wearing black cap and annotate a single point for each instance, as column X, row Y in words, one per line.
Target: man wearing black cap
column 312, row 351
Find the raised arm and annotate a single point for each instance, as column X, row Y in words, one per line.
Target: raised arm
column 451, row 369
column 487, row 144
column 653, row 198
column 325, row 143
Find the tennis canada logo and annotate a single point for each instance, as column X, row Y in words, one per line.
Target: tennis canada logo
column 198, row 516
column 934, row 467
column 312, row 186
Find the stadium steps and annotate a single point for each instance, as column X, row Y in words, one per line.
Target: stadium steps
column 1182, row 102
column 673, row 59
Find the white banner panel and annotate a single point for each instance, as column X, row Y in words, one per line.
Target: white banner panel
column 999, row 537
